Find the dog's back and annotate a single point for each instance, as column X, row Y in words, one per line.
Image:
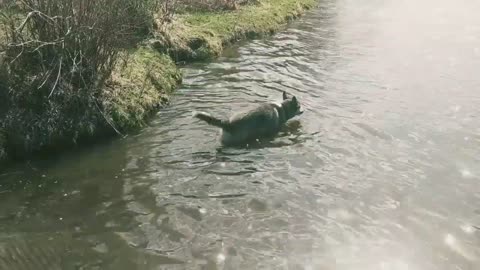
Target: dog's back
column 262, row 121
column 259, row 122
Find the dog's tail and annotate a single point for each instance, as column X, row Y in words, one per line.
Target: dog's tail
column 211, row 120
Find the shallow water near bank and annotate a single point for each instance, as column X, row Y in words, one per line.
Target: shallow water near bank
column 380, row 172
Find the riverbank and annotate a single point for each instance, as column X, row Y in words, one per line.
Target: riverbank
column 203, row 35
column 142, row 82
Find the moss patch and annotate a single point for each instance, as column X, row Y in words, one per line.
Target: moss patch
column 140, row 84
column 202, row 36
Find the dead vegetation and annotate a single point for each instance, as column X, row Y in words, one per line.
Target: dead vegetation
column 58, row 56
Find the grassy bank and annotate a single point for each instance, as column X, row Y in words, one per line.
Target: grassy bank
column 203, row 35
column 139, row 85
column 55, row 116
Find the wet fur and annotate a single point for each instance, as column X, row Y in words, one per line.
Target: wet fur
column 262, row 121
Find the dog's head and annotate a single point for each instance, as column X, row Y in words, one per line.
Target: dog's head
column 291, row 105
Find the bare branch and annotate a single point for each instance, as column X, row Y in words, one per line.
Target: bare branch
column 20, row 54
column 58, row 77
column 106, row 119
column 30, row 14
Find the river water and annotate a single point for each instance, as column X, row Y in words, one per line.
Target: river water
column 382, row 171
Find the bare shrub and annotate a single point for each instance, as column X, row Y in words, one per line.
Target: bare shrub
column 58, row 55
column 75, row 40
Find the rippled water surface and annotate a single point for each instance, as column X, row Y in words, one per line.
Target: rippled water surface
column 382, row 171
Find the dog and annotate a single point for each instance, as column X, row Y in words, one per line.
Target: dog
column 262, row 121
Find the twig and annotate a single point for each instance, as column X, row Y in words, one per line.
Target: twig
column 36, row 12
column 106, row 119
column 30, row 14
column 58, row 77
column 43, row 43
column 48, row 43
column 14, row 59
column 46, row 79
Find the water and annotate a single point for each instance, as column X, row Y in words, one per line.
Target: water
column 380, row 172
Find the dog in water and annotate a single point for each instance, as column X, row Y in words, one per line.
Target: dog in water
column 262, row 121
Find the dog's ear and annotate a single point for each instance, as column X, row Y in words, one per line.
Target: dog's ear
column 284, row 95
column 294, row 99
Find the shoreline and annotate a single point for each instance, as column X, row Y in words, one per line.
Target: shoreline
column 148, row 75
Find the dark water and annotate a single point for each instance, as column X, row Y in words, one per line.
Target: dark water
column 382, row 171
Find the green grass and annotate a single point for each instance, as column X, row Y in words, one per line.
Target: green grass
column 202, row 35
column 141, row 84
